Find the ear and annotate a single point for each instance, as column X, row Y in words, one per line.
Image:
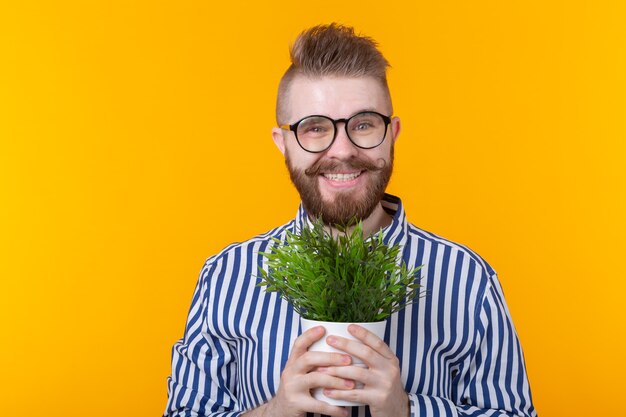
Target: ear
column 395, row 128
column 279, row 139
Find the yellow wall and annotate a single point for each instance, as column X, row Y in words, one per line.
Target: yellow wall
column 135, row 142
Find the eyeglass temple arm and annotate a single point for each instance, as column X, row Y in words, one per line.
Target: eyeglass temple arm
column 287, row 127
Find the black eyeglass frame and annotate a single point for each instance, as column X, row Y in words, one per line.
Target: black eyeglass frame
column 294, row 129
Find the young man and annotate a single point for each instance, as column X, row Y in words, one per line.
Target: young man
column 454, row 353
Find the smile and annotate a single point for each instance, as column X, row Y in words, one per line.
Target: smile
column 341, row 177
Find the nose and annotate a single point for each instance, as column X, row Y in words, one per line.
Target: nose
column 342, row 147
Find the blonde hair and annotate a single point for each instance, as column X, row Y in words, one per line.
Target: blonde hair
column 331, row 50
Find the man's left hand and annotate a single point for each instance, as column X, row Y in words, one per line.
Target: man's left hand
column 383, row 390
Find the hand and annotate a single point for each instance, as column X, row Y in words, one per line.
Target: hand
column 300, row 376
column 383, row 390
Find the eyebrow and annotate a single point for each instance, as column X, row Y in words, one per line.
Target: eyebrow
column 364, row 110
column 368, row 109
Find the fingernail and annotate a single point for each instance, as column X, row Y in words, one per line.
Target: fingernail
column 346, row 360
column 331, row 340
column 348, row 383
column 353, row 328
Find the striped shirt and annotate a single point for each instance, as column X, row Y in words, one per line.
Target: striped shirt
column 458, row 350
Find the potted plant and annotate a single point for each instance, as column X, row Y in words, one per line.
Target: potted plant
column 334, row 279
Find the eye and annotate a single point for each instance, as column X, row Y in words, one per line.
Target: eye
column 363, row 126
column 364, row 122
column 315, row 129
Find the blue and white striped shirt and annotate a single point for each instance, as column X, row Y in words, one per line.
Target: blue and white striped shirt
column 458, row 350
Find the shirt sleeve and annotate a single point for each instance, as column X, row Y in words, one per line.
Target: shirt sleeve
column 494, row 380
column 203, row 378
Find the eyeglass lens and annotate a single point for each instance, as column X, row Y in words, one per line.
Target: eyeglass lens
column 366, row 130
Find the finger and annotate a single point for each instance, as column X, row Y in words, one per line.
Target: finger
column 306, row 383
column 356, row 395
column 324, row 380
column 305, row 340
column 351, row 373
column 312, row 360
column 370, row 339
column 355, row 348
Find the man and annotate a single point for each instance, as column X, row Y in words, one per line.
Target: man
column 454, row 352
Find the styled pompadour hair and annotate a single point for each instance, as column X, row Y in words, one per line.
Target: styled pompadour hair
column 331, row 50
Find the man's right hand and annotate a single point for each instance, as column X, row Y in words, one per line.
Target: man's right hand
column 299, row 377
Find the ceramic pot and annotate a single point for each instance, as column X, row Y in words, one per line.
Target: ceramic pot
column 339, row 329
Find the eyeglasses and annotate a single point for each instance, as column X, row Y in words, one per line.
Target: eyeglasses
column 316, row 133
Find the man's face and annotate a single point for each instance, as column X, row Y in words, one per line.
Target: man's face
column 343, row 181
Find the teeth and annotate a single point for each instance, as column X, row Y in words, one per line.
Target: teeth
column 342, row 177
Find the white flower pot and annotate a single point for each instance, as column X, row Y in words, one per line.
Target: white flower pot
column 339, row 329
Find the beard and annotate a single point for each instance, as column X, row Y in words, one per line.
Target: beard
column 347, row 206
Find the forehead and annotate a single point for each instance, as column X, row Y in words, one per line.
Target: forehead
column 336, row 97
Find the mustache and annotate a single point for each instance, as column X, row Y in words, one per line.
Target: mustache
column 353, row 163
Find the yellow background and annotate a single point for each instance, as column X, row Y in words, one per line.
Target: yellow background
column 135, row 142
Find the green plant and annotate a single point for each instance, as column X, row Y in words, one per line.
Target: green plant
column 341, row 278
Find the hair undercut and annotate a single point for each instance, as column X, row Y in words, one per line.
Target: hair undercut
column 331, row 50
